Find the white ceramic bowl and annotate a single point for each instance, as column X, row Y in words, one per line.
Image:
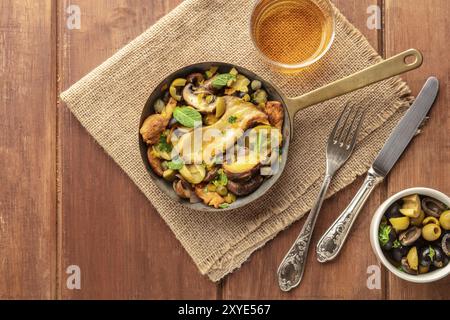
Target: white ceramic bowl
column 422, row 278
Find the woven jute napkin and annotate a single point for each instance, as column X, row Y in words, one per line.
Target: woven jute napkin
column 109, row 100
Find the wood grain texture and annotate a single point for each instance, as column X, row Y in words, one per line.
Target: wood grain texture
column 27, row 150
column 108, row 228
column 320, row 281
column 423, row 25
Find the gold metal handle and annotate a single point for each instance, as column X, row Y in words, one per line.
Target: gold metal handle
column 403, row 62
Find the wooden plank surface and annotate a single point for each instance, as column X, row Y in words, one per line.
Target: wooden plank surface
column 423, row 25
column 109, row 229
column 320, row 281
column 98, row 220
column 27, row 150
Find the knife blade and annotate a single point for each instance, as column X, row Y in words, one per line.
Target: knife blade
column 331, row 243
column 406, row 129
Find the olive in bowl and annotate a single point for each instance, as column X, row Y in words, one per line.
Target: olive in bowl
column 410, row 235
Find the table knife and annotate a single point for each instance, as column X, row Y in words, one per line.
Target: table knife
column 334, row 238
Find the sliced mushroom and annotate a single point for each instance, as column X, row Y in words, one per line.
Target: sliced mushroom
column 192, row 99
column 244, row 188
column 409, row 236
column 211, row 174
column 182, row 189
column 195, row 78
column 405, row 266
column 445, row 244
column 432, row 207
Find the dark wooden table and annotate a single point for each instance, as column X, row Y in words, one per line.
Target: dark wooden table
column 64, row 202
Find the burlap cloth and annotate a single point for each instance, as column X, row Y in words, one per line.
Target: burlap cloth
column 109, row 100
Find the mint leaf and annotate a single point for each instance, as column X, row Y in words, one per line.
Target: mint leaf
column 187, row 116
column 221, row 80
column 163, row 145
column 383, row 234
column 175, row 164
column 224, row 206
column 432, row 253
column 397, row 244
column 232, row 119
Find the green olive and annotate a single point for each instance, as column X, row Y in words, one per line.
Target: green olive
column 222, row 190
column 211, row 188
column 246, row 97
column 431, row 232
column 169, row 175
column 444, row 220
column 430, row 220
column 256, row 85
column 230, row 198
column 260, row 96
column 173, row 88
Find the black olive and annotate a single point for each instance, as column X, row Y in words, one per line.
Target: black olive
column 239, row 94
column 390, row 243
column 421, row 242
column 394, row 211
column 438, row 260
column 426, row 256
column 398, row 253
column 445, row 261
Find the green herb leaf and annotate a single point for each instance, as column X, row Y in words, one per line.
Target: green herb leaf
column 397, row 244
column 432, row 253
column 383, row 234
column 187, row 116
column 224, row 206
column 221, row 80
column 175, row 164
column 163, row 145
column 221, row 179
column 232, row 119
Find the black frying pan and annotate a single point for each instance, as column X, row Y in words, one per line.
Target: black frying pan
column 381, row 71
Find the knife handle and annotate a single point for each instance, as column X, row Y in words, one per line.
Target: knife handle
column 334, row 238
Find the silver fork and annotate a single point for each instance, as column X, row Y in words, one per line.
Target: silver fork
column 340, row 146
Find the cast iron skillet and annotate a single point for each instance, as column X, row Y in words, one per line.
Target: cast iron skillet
column 381, row 71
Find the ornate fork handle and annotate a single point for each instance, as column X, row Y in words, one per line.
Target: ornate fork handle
column 333, row 239
column 292, row 267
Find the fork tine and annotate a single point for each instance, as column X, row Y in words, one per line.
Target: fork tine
column 358, row 127
column 333, row 134
column 344, row 127
column 350, row 130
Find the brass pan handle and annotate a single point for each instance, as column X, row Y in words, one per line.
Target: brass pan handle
column 403, row 62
